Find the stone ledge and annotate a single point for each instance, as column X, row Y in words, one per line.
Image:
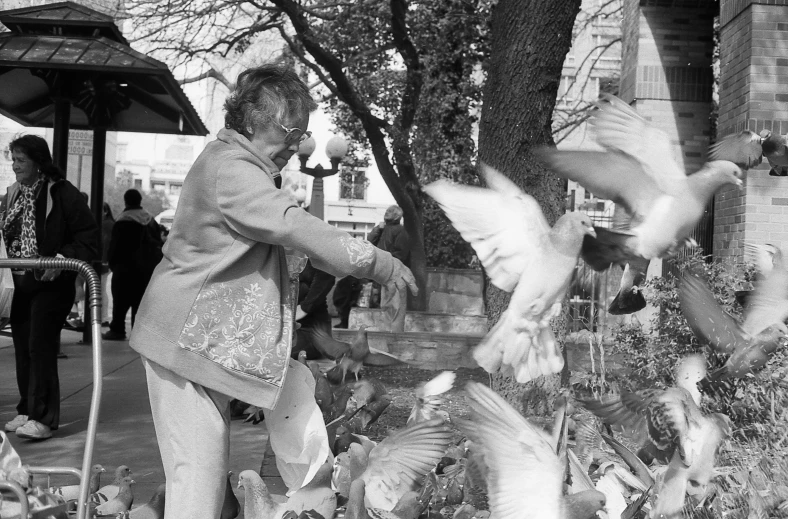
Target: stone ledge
column 420, row 321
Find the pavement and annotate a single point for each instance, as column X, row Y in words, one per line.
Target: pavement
column 125, row 432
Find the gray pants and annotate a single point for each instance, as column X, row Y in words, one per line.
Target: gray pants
column 193, row 431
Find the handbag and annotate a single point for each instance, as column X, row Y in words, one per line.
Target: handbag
column 6, row 284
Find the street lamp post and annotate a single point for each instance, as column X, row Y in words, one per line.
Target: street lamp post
column 336, row 149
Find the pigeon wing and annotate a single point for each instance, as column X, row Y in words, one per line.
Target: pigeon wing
column 710, row 324
column 618, row 126
column 768, row 305
column 743, row 149
column 399, row 462
column 524, row 476
column 505, row 229
column 610, row 175
column 626, row 410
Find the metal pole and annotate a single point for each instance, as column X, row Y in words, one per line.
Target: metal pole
column 96, row 205
column 60, row 134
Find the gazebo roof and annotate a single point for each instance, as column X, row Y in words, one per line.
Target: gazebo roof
column 97, row 73
column 63, row 18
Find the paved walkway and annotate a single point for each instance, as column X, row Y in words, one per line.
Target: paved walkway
column 125, row 431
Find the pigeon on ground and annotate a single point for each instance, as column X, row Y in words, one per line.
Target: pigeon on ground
column 669, row 426
column 429, row 398
column 153, row 509
column 637, row 171
column 407, row 507
column 324, row 396
column 525, row 477
column 230, row 506
column 520, row 253
column 108, row 492
column 398, row 463
column 747, row 149
column 121, row 502
column 71, row 492
column 316, row 495
column 750, row 344
column 348, row 466
column 260, row 504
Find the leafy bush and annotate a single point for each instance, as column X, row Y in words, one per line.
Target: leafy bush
column 753, row 402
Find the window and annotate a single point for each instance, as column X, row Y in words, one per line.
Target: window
column 138, row 184
column 567, row 91
column 175, row 188
column 157, row 185
column 607, row 47
column 353, row 185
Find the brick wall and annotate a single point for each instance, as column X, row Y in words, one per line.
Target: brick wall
column 753, row 65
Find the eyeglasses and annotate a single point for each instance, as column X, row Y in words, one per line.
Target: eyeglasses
column 294, row 135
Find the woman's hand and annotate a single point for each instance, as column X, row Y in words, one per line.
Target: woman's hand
column 50, row 274
column 402, row 277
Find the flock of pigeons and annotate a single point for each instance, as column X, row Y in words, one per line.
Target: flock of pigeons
column 573, row 471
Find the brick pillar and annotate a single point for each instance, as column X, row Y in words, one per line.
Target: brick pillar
column 666, row 72
column 753, row 64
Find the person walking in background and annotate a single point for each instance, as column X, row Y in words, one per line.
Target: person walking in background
column 107, row 223
column 134, row 251
column 42, row 214
column 394, row 238
column 312, row 312
column 216, row 322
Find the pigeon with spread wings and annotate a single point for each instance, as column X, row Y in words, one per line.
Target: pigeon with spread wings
column 750, row 344
column 670, row 426
column 747, row 149
column 520, row 253
column 637, row 170
column 524, row 476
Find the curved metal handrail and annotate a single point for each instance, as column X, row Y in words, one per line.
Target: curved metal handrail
column 93, row 282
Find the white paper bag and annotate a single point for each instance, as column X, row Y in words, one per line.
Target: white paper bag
column 296, row 429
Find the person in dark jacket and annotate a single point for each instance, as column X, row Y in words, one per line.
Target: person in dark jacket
column 394, row 238
column 134, row 251
column 42, row 215
column 312, row 312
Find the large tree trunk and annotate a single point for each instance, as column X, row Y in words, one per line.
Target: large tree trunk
column 530, row 39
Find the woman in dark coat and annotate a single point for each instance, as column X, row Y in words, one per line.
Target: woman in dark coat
column 41, row 215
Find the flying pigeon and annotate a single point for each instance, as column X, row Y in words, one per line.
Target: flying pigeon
column 629, row 298
column 520, row 253
column 637, row 171
column 747, row 149
column 71, row 492
column 360, row 353
column 750, row 344
column 348, row 466
column 669, row 426
column 121, row 502
column 153, row 509
column 764, row 258
column 429, row 399
column 316, row 495
column 399, row 462
column 524, row 476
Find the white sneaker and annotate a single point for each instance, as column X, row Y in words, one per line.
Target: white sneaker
column 33, row 430
column 16, row 423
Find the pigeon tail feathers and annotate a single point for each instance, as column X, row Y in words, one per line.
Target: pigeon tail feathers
column 627, row 301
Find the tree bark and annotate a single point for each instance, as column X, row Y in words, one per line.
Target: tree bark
column 530, row 40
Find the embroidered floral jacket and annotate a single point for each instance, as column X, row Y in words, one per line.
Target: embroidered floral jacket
column 219, row 307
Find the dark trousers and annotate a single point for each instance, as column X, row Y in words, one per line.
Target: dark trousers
column 127, row 291
column 38, row 312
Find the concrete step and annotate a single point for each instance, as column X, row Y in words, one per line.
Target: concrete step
column 424, row 350
column 420, row 321
column 447, row 351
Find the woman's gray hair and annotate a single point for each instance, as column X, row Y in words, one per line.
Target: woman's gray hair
column 265, row 93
